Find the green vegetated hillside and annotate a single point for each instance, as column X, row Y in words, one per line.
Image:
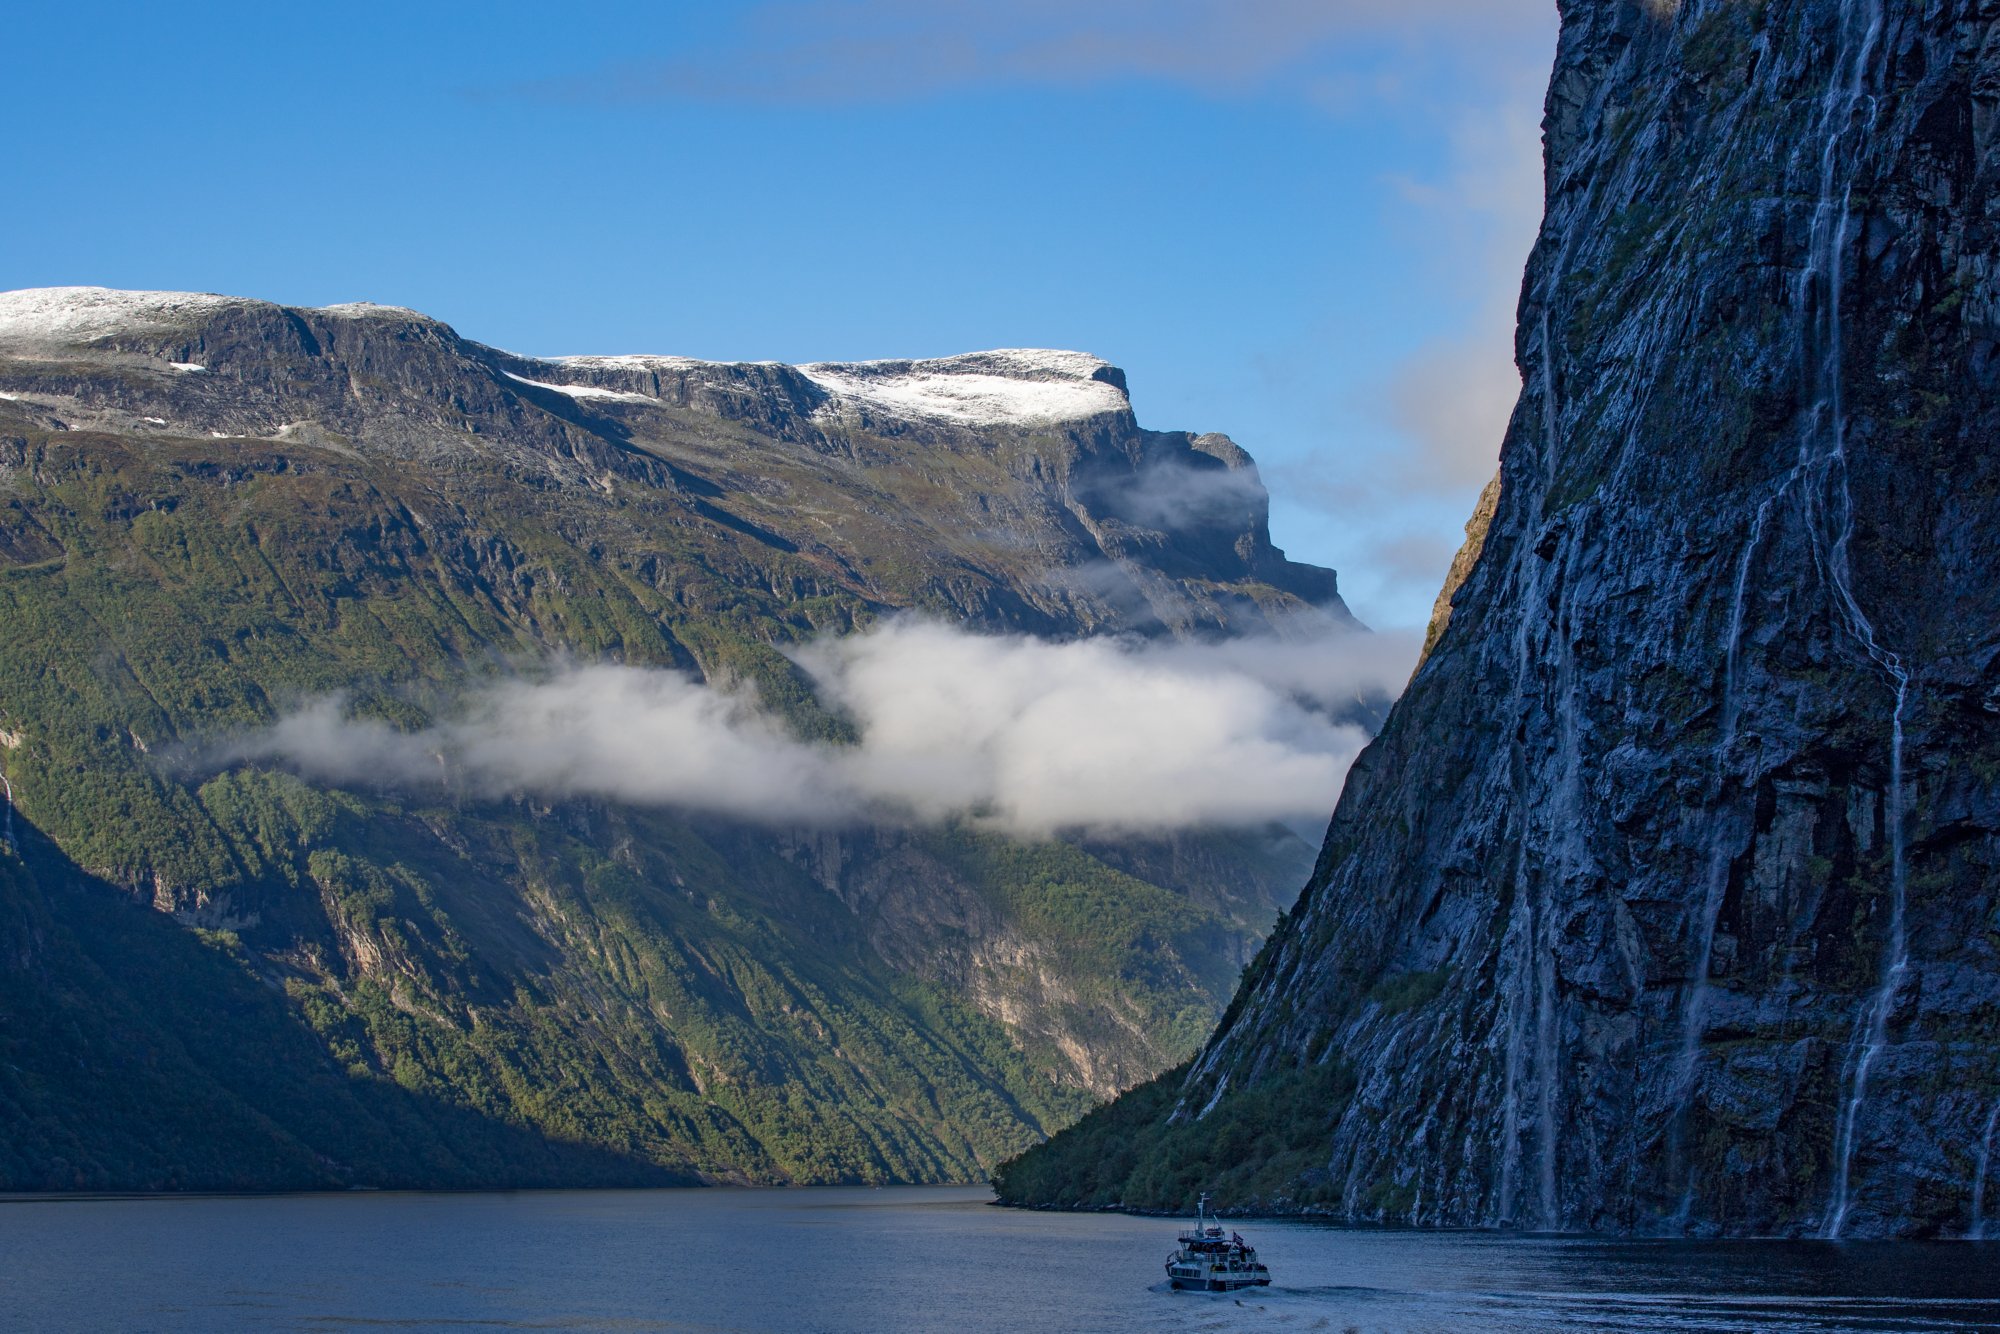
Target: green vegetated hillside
column 138, row 1054
column 230, row 977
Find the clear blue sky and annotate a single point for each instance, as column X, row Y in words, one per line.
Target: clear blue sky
column 1299, row 223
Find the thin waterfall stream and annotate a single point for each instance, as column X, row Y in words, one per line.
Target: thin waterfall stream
column 1532, row 984
column 1829, row 525
column 1510, row 1115
column 1543, row 938
column 1977, row 1230
column 1719, row 858
column 1823, row 446
column 1873, row 1028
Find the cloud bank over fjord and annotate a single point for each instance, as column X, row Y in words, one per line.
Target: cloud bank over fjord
column 1020, row 734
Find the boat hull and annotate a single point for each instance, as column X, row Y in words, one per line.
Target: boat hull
column 1220, row 1283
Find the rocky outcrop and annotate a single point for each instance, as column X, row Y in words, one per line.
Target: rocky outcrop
column 1462, row 563
column 1666, row 900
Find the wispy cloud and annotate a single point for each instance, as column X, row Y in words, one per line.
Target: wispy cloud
column 854, row 51
column 1018, row 733
column 1442, row 412
column 1452, row 398
column 1173, row 497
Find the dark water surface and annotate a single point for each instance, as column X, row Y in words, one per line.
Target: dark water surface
column 901, row 1259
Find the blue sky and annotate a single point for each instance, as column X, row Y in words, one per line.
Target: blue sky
column 1301, row 223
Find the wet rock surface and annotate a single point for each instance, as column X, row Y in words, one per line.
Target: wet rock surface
column 1694, row 803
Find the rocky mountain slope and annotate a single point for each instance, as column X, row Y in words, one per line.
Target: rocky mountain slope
column 1665, row 901
column 223, row 975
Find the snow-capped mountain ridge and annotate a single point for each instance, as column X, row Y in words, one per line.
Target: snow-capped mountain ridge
column 1005, row 386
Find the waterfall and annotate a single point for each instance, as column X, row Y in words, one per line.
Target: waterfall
column 7, row 829
column 1872, row 1030
column 1824, row 446
column 1716, row 880
column 1977, row 1231
column 1545, row 1071
column 1531, row 988
column 1820, row 474
column 1510, row 1112
column 1542, row 912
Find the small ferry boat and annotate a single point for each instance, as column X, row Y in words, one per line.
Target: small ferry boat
column 1207, row 1261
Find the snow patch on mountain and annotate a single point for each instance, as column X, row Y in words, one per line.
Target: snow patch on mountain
column 642, row 362
column 83, row 314
column 582, row 390
column 370, row 310
column 1006, row 387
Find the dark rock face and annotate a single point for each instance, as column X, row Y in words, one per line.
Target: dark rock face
column 1695, row 806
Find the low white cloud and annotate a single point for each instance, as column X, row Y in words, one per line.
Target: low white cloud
column 647, row 736
column 1021, row 734
column 1100, row 732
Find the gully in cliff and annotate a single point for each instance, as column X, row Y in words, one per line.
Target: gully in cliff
column 1206, row 1261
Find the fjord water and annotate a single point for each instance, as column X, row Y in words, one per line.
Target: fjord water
column 901, row 1259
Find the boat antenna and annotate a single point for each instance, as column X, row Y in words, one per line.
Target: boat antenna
column 1201, row 1209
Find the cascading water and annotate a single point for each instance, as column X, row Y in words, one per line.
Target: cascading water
column 1567, row 858
column 1873, row 1027
column 1820, row 475
column 1560, row 849
column 1830, row 520
column 1977, row 1230
column 1520, row 927
column 1545, row 1069
column 1531, row 988
column 1546, row 1082
column 1720, row 855
column 7, row 828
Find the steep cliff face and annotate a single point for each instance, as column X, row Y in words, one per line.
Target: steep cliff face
column 1666, row 900
column 214, row 508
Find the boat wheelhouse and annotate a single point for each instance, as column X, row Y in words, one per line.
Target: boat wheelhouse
column 1209, row 1261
